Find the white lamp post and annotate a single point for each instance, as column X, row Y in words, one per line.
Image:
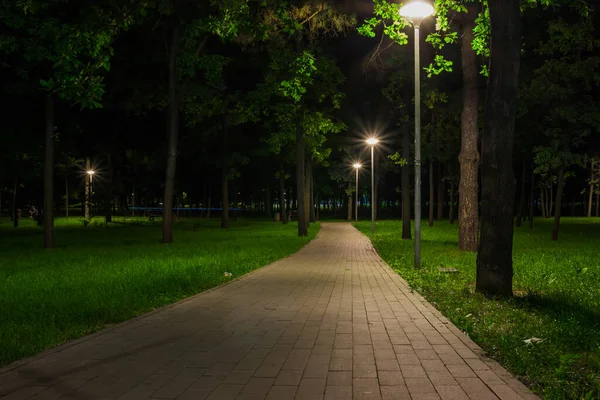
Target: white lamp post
column 372, row 142
column 90, row 173
column 356, row 167
column 415, row 12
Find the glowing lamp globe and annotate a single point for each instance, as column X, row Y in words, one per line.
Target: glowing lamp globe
column 416, row 11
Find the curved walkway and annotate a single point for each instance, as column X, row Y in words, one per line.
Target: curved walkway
column 331, row 322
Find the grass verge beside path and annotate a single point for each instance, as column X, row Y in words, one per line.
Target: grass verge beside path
column 99, row 276
column 557, row 299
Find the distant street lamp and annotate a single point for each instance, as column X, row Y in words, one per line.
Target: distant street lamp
column 356, row 167
column 90, row 173
column 372, row 142
column 415, row 12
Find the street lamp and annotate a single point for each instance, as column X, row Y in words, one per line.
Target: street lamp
column 415, row 12
column 90, row 173
column 372, row 142
column 356, row 167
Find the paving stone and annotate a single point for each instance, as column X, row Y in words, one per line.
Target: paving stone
column 332, row 321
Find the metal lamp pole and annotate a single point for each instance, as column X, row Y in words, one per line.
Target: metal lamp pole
column 356, row 167
column 372, row 142
column 415, row 12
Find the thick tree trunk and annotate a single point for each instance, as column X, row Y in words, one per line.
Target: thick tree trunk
column 307, row 185
column 543, row 201
column 451, row 210
column 440, row 193
column 350, row 203
column 598, row 205
column 431, row 193
column 406, row 234
column 302, row 225
column 469, row 155
column 313, row 214
column 551, row 200
column 531, row 196
column 224, row 176
column 209, row 202
column 49, row 175
column 282, row 207
column 591, row 195
column 268, row 201
column 521, row 209
column 559, row 195
column 494, row 258
column 15, row 212
column 108, row 187
column 172, row 130
column 87, row 203
column 66, row 196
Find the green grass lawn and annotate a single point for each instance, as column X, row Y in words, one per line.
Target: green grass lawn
column 99, row 276
column 557, row 299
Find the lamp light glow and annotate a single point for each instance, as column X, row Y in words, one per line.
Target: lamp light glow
column 416, row 10
column 357, row 165
column 372, row 141
column 91, row 172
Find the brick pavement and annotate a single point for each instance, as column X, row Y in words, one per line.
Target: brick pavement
column 331, row 322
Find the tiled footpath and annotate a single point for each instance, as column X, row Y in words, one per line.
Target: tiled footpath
column 331, row 322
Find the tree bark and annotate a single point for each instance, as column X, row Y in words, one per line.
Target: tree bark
column 108, row 187
column 440, row 193
column 451, row 211
column 49, row 175
column 598, row 205
column 224, row 176
column 313, row 215
column 66, row 196
column 551, row 199
column 531, row 195
column 494, row 258
column 431, row 193
column 172, row 129
column 406, row 233
column 559, row 195
column 282, row 208
column 350, row 203
column 302, row 225
column 521, row 209
column 591, row 195
column 268, row 200
column 307, row 185
column 469, row 155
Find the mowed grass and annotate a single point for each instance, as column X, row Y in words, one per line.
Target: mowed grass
column 557, row 299
column 100, row 276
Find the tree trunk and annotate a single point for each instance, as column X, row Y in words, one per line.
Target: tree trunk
column 406, row 234
column 451, row 211
column 350, row 202
column 558, row 210
column 108, row 187
column 66, row 196
column 268, row 200
column 282, row 208
column 531, row 195
column 307, row 185
column 440, row 193
column 302, row 226
column 598, row 205
column 224, row 176
column 469, row 155
column 431, row 194
column 49, row 175
column 172, row 130
column 551, row 200
column 209, row 202
column 521, row 209
column 494, row 258
column 15, row 212
column 313, row 214
column 591, row 195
